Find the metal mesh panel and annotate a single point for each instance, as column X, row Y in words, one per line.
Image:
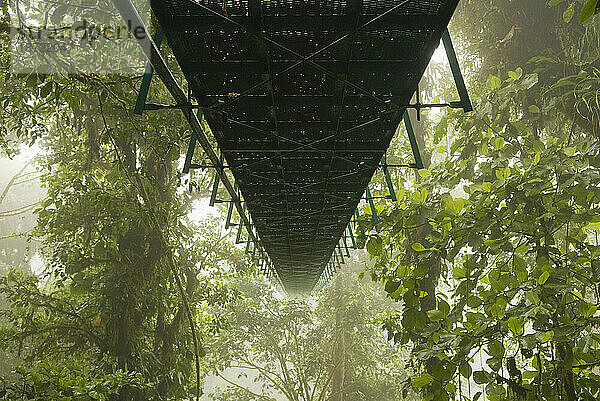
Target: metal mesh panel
column 304, row 145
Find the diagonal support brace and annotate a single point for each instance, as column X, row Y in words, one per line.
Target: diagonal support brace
column 375, row 218
column 388, row 178
column 413, row 141
column 465, row 100
column 140, row 102
column 133, row 20
column 215, row 188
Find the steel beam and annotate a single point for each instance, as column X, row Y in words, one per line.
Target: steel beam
column 133, row 20
column 352, row 236
column 189, row 155
column 307, row 59
column 465, row 100
column 253, row 67
column 388, row 178
column 140, row 102
column 374, row 217
column 215, row 188
column 413, row 141
column 238, row 238
column 230, row 209
column 211, row 23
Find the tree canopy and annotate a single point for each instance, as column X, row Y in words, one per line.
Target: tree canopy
column 486, row 267
column 493, row 251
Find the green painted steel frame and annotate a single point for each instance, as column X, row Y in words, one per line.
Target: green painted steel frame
column 301, row 197
column 463, row 93
column 140, row 103
column 134, row 22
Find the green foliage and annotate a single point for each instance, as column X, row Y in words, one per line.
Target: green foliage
column 113, row 219
column 297, row 350
column 590, row 8
column 510, row 219
column 68, row 381
column 518, row 257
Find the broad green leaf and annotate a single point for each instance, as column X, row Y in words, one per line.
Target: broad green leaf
column 494, row 389
column 515, row 325
column 587, row 309
column 459, row 272
column 450, row 388
column 494, row 82
column 521, row 250
column 375, row 246
column 391, row 286
column 593, row 226
column 543, row 277
column 402, row 271
column 400, row 194
column 435, row 315
column 589, row 9
column 553, row 3
column 420, row 271
column 465, row 370
column 422, row 380
column 31, row 80
column 444, row 307
column 481, row 377
column 533, row 297
column 499, row 307
column 495, row 348
column 569, row 13
column 485, row 149
column 530, row 81
column 520, row 268
column 46, row 89
column 424, row 173
column 474, row 302
column 534, row 109
column 417, row 246
column 516, row 75
column 549, row 335
column 424, row 194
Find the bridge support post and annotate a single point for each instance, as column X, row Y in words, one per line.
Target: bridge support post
column 465, row 100
column 413, row 141
column 140, row 102
column 352, row 236
column 388, row 178
column 215, row 188
column 230, row 210
column 374, row 217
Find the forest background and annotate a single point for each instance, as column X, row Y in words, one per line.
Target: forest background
column 484, row 273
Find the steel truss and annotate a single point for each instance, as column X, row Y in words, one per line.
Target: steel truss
column 260, row 168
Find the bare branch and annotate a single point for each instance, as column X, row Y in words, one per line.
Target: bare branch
column 12, row 181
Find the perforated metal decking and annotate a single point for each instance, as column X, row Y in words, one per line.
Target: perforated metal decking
column 303, row 136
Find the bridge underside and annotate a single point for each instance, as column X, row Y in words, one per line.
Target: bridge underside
column 304, row 98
